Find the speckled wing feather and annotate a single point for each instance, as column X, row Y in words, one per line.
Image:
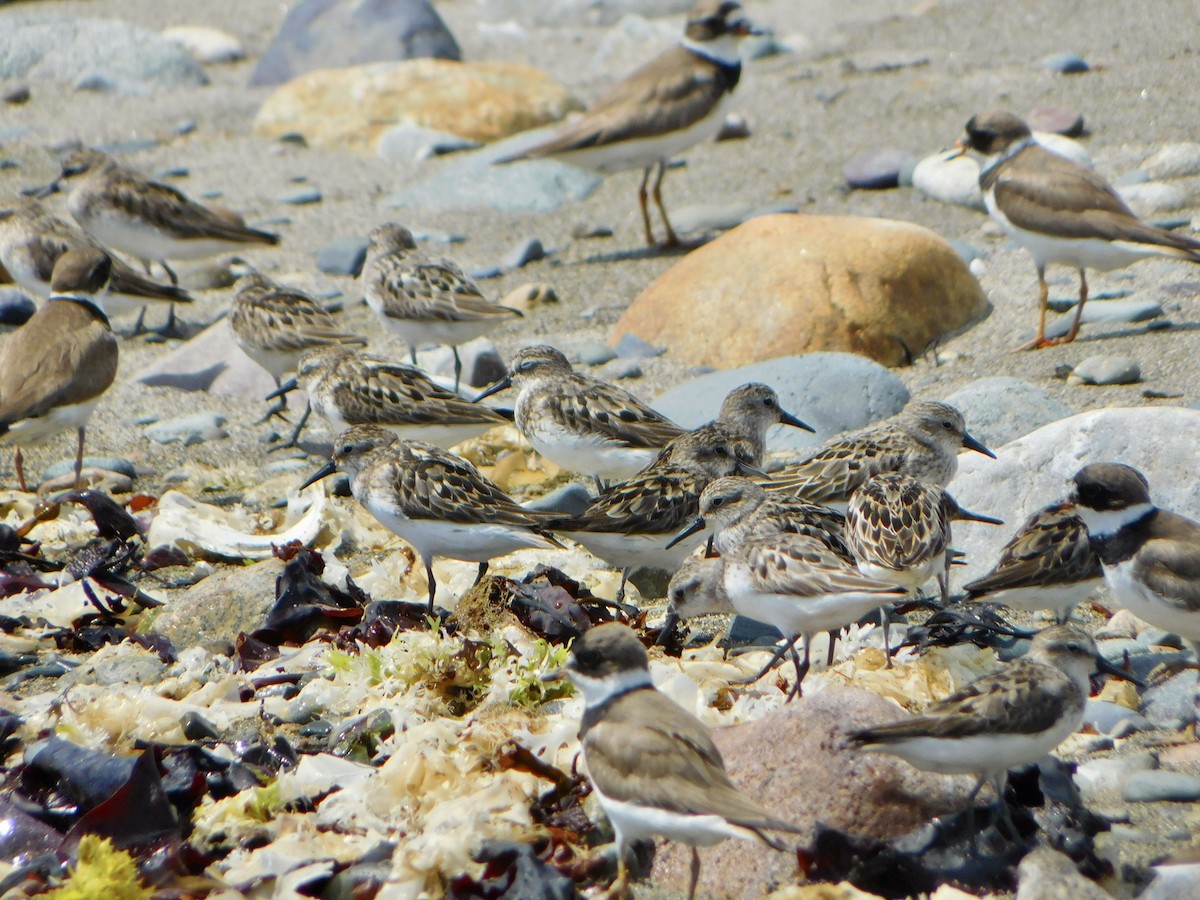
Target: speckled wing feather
column 1023, row 698
column 668, row 94
column 431, row 483
column 808, row 519
column 595, row 408
column 835, row 472
column 804, row 567
column 646, row 750
column 52, row 381
column 657, row 501
column 1171, row 568
column 431, row 289
column 897, row 524
column 1052, row 547
column 173, row 212
column 381, row 393
column 281, row 319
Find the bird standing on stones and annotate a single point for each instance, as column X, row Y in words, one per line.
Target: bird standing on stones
column 55, row 367
column 425, row 300
column 673, row 102
column 1060, row 212
column 653, row 765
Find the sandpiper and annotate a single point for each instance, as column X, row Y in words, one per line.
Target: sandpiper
column 653, row 766
column 423, row 299
column 675, row 101
column 1060, row 212
column 55, row 367
column 436, row 501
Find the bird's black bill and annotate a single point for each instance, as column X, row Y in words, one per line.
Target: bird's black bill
column 786, row 418
column 42, row 191
column 966, row 515
column 746, row 468
column 973, row 444
column 698, row 524
column 668, row 628
column 286, row 388
column 1111, row 668
column 496, row 388
column 324, row 472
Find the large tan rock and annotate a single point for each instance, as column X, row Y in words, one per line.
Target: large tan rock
column 796, row 763
column 785, row 284
column 351, row 107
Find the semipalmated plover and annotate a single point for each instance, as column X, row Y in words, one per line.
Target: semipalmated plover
column 1061, row 212
column 675, row 101
column 1151, row 557
column 55, row 367
column 1048, row 564
column 579, row 423
column 32, row 240
column 653, row 766
column 423, row 299
column 436, row 501
column 347, row 388
column 1010, row 718
column 148, row 220
column 923, row 440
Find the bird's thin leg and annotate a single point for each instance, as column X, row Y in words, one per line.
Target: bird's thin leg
column 294, row 440
column 483, row 567
column 1083, row 295
column 620, row 886
column 457, row 369
column 599, row 482
column 1039, row 339
column 643, row 196
column 780, row 652
column 412, row 353
column 621, row 589
column 79, row 460
column 19, row 466
column 432, row 582
column 139, row 327
column 172, row 328
column 276, row 408
column 672, row 239
column 170, row 274
column 971, row 805
column 695, row 879
column 829, row 654
column 801, row 670
column 1001, row 780
column 886, row 622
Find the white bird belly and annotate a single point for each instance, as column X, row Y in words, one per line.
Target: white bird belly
column 456, row 540
column 29, row 432
column 146, row 242
column 1145, row 604
column 634, row 550
column 633, row 822
column 982, row 753
column 588, row 454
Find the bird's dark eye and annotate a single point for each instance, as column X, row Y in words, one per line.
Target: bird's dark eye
column 721, row 451
column 769, row 402
column 717, row 501
column 677, row 595
column 948, row 425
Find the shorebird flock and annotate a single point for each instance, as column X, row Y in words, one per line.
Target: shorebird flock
column 863, row 523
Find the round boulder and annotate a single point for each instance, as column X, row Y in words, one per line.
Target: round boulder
column 350, row 108
column 799, row 284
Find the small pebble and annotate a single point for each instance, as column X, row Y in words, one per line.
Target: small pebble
column 301, row 197
column 594, row 353
column 317, row 729
column 173, row 172
column 293, row 137
column 523, row 253
column 750, row 631
column 734, row 128
column 569, row 500
column 185, row 126
column 617, row 369
column 97, row 82
column 17, row 94
column 1160, row 784
column 197, row 728
column 189, row 430
column 108, row 463
column 531, row 295
column 878, row 169
column 1100, row 776
column 343, row 256
column 485, row 273
column 1174, row 161
column 1055, row 120
column 16, row 308
column 1173, row 701
column 1102, row 370
column 1134, row 176
column 590, row 230
column 1154, row 197
column 1114, row 311
column 630, row 346
column 7, row 163
column 1063, row 63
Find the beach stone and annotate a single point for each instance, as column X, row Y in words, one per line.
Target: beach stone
column 1055, row 120
column 351, row 108
column 1100, row 777
column 530, row 296
column 1123, row 624
column 301, row 197
column 473, row 180
column 326, row 34
column 97, row 83
column 1106, row 717
column 617, row 369
column 17, row 94
column 117, row 464
column 594, row 353
column 211, row 362
column 881, row 288
column 1000, row 409
column 744, row 630
column 569, row 500
column 206, row 45
column 1173, row 161
column 722, row 216
column 68, row 48
column 343, row 256
column 949, row 178
column 402, row 143
column 1063, row 63
column 223, row 605
column 1033, row 471
column 1103, row 369
column 1172, row 703
column 189, row 430
column 734, row 127
column 579, row 12
column 630, row 346
column 522, row 253
column 832, row 392
column 1107, row 311
column 481, row 363
column 16, row 307
column 778, row 758
column 877, row 169
column 1046, row 874
column 1160, row 785
column 586, row 231
column 1150, row 197
column 1173, row 882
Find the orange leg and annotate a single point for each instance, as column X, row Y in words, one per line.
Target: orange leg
column 19, row 465
column 695, row 874
column 643, row 196
column 1083, row 295
column 1040, row 339
column 672, row 240
column 79, row 462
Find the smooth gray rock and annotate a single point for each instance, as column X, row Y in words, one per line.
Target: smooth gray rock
column 219, row 607
column 1064, row 63
column 301, row 197
column 877, row 169
column 1171, row 704
column 16, row 307
column 133, row 668
column 211, row 362
column 1150, row 197
column 1105, row 717
column 67, row 48
column 1055, row 120
column 1046, row 874
column 832, row 392
column 1098, row 777
column 1174, row 161
column 570, row 500
column 97, row 83
column 473, row 180
column 403, row 143
column 1033, row 470
column 722, row 216
column 1160, row 785
column 1110, row 312
column 188, row 430
column 206, row 45
column 618, row 369
column 578, row 12
column 324, row 34
column 1000, row 409
column 522, row 253
column 630, row 346
column 481, row 363
column 1102, row 369
column 593, row 353
column 108, row 463
column 343, row 256
column 1173, row 882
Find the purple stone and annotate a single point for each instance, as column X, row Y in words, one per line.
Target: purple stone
column 1056, row 120
column 877, row 169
